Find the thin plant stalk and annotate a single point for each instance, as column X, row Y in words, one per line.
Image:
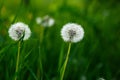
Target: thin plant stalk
column 40, row 73
column 61, row 57
column 65, row 63
column 17, row 62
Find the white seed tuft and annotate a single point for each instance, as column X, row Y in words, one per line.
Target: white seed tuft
column 38, row 20
column 100, row 79
column 72, row 32
column 19, row 30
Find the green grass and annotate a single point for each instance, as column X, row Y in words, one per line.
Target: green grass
column 41, row 57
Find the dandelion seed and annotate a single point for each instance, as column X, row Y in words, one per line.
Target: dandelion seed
column 38, row 20
column 100, row 79
column 83, row 77
column 47, row 21
column 19, row 30
column 72, row 32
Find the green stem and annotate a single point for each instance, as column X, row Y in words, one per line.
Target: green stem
column 40, row 68
column 17, row 62
column 61, row 57
column 40, row 73
column 65, row 63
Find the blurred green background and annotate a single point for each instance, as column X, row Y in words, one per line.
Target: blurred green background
column 96, row 56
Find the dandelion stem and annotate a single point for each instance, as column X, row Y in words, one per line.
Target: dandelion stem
column 17, row 62
column 61, row 57
column 40, row 68
column 65, row 63
column 40, row 73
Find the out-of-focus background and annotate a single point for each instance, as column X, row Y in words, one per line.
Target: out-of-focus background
column 96, row 56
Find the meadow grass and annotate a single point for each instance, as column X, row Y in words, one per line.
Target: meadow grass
column 41, row 57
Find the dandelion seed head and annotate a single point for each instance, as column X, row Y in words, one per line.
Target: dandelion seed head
column 19, row 30
column 48, row 21
column 83, row 77
column 100, row 79
column 38, row 20
column 72, row 32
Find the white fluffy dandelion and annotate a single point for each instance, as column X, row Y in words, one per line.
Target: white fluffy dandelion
column 19, row 30
column 47, row 21
column 38, row 20
column 72, row 32
column 100, row 79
